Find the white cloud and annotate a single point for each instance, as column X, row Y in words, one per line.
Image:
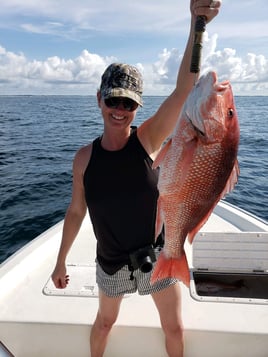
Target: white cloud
column 81, row 75
column 49, row 76
column 240, row 19
column 45, row 28
column 248, row 74
column 80, row 15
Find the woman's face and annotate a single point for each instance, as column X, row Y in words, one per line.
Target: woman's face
column 119, row 116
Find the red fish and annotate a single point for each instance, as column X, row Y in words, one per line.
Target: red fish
column 198, row 166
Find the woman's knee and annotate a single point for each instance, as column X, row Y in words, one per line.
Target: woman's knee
column 108, row 311
column 173, row 328
column 105, row 322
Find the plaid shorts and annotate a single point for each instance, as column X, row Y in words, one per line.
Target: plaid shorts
column 121, row 283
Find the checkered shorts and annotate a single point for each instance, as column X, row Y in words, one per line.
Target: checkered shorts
column 120, row 283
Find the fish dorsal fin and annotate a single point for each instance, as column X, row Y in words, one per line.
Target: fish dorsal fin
column 228, row 188
column 192, row 234
column 161, row 155
column 232, row 180
column 159, row 220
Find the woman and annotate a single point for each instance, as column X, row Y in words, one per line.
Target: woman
column 113, row 179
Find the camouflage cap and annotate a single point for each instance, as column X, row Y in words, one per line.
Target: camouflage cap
column 122, row 80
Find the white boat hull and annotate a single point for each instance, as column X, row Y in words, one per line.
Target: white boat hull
column 35, row 324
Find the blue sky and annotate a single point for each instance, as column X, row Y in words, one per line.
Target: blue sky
column 63, row 46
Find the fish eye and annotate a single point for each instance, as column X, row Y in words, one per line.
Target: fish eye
column 230, row 113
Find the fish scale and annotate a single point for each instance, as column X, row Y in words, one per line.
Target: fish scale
column 198, row 166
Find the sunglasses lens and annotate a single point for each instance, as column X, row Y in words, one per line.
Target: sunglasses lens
column 112, row 102
column 128, row 104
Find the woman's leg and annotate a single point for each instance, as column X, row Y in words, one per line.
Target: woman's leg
column 168, row 303
column 106, row 317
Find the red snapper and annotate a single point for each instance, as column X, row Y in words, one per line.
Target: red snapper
column 198, row 166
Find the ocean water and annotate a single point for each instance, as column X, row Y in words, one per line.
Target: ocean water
column 39, row 136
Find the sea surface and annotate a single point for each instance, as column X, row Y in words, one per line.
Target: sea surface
column 39, row 136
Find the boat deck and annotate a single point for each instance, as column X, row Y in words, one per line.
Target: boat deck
column 34, row 323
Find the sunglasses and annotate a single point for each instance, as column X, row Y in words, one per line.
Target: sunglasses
column 127, row 103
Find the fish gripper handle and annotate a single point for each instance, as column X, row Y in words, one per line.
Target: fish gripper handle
column 200, row 27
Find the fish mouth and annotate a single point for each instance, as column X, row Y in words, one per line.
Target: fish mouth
column 205, row 94
column 220, row 87
column 213, row 77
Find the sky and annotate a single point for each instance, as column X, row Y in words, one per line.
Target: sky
column 63, row 46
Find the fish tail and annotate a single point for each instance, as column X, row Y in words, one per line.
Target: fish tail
column 171, row 268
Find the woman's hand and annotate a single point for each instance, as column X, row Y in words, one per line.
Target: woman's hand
column 207, row 8
column 59, row 277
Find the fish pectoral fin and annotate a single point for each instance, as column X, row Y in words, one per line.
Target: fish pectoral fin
column 187, row 157
column 161, row 155
column 171, row 268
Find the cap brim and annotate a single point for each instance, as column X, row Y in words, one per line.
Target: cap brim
column 120, row 92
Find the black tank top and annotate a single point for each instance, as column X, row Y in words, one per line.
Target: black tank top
column 121, row 194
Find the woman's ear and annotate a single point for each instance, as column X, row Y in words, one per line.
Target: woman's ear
column 99, row 97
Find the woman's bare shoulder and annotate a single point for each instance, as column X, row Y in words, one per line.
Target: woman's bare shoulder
column 82, row 158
